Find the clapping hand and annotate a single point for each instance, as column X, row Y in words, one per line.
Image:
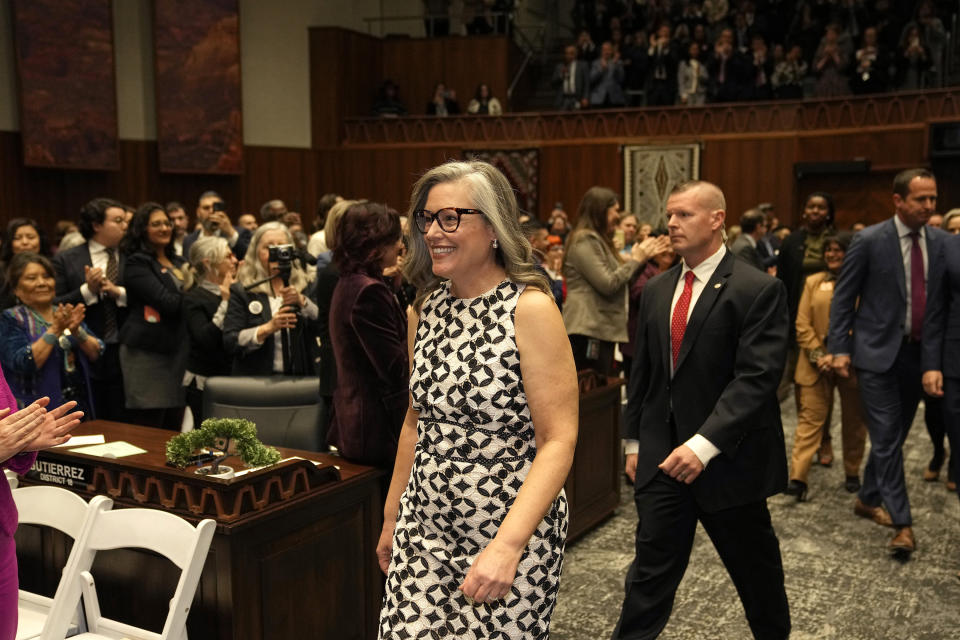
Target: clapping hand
column 56, row 425
column 74, row 316
column 94, row 278
column 19, row 428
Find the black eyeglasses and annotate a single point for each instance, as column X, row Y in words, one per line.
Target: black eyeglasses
column 448, row 219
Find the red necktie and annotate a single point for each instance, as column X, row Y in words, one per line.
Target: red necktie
column 678, row 325
column 918, row 292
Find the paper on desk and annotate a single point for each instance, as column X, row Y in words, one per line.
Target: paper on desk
column 81, row 441
column 117, row 449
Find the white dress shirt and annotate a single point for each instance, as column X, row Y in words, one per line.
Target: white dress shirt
column 98, row 260
column 703, row 448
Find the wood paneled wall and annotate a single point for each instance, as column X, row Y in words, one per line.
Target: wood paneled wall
column 347, row 69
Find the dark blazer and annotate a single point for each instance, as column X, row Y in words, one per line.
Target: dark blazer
column 724, row 388
column 154, row 301
column 239, row 249
column 207, row 356
column 745, row 251
column 324, row 287
column 941, row 324
column 69, row 273
column 259, row 362
column 790, row 270
column 369, row 336
column 580, row 84
column 870, row 296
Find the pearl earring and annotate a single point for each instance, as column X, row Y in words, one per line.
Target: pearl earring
column 494, row 243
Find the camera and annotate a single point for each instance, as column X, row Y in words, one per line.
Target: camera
column 282, row 254
column 210, row 224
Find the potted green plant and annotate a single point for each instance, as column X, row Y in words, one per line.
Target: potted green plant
column 228, row 436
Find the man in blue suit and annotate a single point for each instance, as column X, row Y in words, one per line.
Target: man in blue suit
column 880, row 296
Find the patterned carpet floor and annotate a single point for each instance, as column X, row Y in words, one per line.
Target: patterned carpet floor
column 841, row 582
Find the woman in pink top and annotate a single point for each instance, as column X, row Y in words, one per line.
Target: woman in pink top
column 22, row 434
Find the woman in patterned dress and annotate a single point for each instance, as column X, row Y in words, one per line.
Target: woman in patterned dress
column 475, row 519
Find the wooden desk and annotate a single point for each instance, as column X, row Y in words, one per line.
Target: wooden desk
column 593, row 486
column 292, row 556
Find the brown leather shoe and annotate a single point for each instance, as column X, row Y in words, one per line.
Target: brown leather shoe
column 929, row 475
column 877, row 514
column 903, row 543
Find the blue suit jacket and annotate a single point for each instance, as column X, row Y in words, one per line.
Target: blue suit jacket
column 873, row 277
column 941, row 324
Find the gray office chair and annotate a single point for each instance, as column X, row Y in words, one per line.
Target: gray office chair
column 286, row 410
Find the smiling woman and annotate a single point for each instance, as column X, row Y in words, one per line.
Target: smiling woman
column 475, row 519
column 153, row 343
column 45, row 349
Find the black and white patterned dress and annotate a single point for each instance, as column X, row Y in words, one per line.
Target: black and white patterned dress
column 474, row 449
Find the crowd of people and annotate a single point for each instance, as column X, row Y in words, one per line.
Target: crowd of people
column 447, row 342
column 692, row 52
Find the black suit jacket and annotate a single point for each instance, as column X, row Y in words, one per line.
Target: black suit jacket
column 724, row 388
column 239, row 249
column 746, row 251
column 941, row 324
column 206, row 357
column 154, row 322
column 68, row 267
column 259, row 362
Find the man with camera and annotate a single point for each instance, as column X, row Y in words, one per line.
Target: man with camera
column 214, row 221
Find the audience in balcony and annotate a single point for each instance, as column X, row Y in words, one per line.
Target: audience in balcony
column 765, row 50
column 388, row 104
column 484, row 103
column 692, row 78
column 662, row 68
column 570, row 81
column 871, row 65
column 914, row 60
column 443, row 102
column 606, row 79
column 830, row 65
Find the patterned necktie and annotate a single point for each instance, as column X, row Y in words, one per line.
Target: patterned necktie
column 678, row 325
column 918, row 286
column 109, row 306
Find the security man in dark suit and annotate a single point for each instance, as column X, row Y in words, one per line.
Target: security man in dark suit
column 92, row 274
column 705, row 441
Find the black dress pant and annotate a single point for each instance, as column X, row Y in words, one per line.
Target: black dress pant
column 106, row 381
column 744, row 538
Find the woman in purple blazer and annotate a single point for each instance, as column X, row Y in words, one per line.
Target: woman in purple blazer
column 368, row 330
column 22, row 434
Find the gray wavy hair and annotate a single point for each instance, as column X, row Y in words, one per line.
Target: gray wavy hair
column 491, row 193
column 205, row 254
column 252, row 271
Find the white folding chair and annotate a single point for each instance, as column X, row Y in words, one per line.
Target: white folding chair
column 67, row 512
column 163, row 533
